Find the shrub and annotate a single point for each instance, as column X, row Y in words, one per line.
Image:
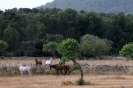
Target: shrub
column 2, row 57
column 80, row 81
column 127, row 50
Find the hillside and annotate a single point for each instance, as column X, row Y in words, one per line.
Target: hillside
column 107, row 6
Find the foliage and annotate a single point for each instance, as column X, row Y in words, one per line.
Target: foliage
column 11, row 36
column 80, row 81
column 74, row 67
column 69, row 49
column 2, row 57
column 41, row 30
column 53, row 38
column 50, row 47
column 127, row 50
column 92, row 45
column 3, row 45
column 119, row 26
column 26, row 30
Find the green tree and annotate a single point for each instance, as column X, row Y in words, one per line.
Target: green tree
column 119, row 26
column 82, row 23
column 3, row 46
column 50, row 47
column 70, row 50
column 3, row 23
column 11, row 36
column 92, row 45
column 94, row 23
column 24, row 10
column 71, row 21
column 127, row 50
column 41, row 31
column 31, row 31
column 53, row 38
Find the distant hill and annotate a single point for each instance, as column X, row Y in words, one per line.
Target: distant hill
column 106, row 6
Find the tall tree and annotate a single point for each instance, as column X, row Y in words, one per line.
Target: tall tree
column 11, row 36
column 119, row 26
column 94, row 24
column 3, row 23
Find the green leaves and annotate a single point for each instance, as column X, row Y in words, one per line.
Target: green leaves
column 11, row 36
column 50, row 47
column 127, row 50
column 69, row 48
column 3, row 45
column 92, row 45
column 74, row 67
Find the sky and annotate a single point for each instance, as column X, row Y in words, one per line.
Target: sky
column 9, row 4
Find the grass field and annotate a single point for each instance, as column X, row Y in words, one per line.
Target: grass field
column 114, row 80
column 54, row 81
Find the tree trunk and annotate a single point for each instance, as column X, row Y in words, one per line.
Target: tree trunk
column 81, row 71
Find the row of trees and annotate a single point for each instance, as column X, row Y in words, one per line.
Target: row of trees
column 89, row 45
column 26, row 30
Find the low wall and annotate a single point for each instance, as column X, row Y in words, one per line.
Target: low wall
column 106, row 68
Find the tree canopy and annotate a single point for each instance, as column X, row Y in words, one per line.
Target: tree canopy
column 26, row 30
column 70, row 51
column 93, row 46
column 127, row 51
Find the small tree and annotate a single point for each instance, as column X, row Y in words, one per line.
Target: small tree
column 70, row 50
column 50, row 47
column 127, row 50
column 3, row 45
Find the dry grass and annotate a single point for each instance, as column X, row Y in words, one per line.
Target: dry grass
column 131, row 73
column 53, row 81
column 118, row 77
column 56, row 61
column 67, row 81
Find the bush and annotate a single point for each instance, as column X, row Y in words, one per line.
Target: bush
column 80, row 81
column 127, row 51
column 1, row 57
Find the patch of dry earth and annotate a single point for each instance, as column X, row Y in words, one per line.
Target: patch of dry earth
column 54, row 81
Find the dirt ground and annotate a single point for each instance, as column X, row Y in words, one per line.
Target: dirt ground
column 54, row 81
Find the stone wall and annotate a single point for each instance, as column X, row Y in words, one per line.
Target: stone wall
column 106, row 68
